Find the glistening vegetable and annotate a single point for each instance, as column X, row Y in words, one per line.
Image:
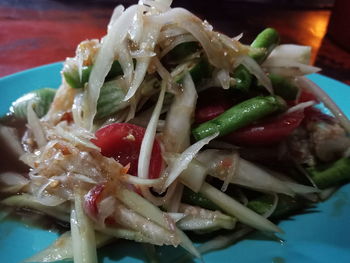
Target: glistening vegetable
column 262, row 46
column 239, row 116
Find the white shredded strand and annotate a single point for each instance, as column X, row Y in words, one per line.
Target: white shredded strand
column 301, row 106
column 170, row 31
column 291, row 52
column 177, row 128
column 185, row 158
column 159, row 5
column 77, row 108
column 232, row 171
column 238, row 37
column 148, row 42
column 288, row 68
column 135, row 31
column 224, row 78
column 117, row 12
column 201, row 31
column 35, row 126
column 255, row 69
column 148, row 139
column 125, row 61
column 105, row 57
column 75, row 139
column 127, row 178
column 177, row 41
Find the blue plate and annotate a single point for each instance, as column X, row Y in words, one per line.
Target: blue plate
column 321, row 236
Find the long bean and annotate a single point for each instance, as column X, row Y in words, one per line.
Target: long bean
column 285, row 205
column 198, row 199
column 239, row 116
column 266, row 41
column 283, row 87
column 263, row 44
column 331, row 174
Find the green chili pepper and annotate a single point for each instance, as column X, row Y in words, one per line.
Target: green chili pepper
column 239, row 116
column 41, row 100
column 332, row 174
column 198, row 199
column 266, row 41
column 283, row 87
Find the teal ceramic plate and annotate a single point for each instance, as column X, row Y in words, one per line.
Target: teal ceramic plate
column 320, row 236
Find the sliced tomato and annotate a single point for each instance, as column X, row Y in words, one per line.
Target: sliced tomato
column 267, row 132
column 122, row 141
column 211, row 103
column 92, row 198
column 306, row 96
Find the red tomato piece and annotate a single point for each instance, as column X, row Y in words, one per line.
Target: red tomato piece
column 122, row 141
column 267, row 132
column 92, row 198
column 306, row 96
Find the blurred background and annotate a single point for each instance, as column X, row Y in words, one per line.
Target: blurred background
column 37, row 32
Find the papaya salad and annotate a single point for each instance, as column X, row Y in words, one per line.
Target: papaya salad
column 165, row 127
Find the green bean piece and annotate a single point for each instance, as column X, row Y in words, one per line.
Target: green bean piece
column 266, row 41
column 243, row 78
column 72, row 76
column 110, row 100
column 181, row 51
column 285, row 205
column 332, row 174
column 239, row 116
column 198, row 199
column 41, row 99
column 284, row 87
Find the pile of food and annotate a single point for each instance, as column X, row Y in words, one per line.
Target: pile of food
column 165, row 126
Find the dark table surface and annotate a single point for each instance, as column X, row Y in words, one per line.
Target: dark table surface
column 37, row 32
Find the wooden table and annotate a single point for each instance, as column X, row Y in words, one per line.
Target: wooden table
column 34, row 33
